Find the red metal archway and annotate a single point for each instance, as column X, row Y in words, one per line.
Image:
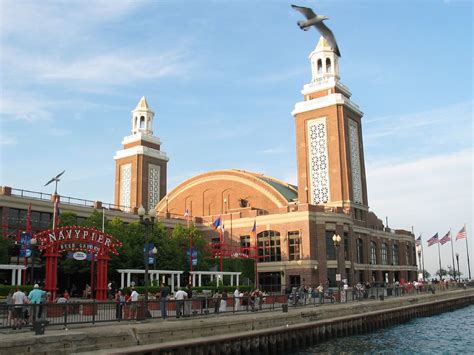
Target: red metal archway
column 91, row 241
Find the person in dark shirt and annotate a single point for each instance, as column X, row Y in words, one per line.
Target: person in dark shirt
column 164, row 292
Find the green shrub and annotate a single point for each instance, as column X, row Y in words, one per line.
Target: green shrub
column 5, row 289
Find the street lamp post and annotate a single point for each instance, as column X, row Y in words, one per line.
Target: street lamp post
column 33, row 243
column 459, row 271
column 147, row 223
column 336, row 238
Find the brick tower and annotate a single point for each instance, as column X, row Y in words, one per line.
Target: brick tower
column 329, row 149
column 140, row 167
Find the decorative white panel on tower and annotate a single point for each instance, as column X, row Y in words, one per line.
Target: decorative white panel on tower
column 318, row 161
column 125, row 184
column 355, row 161
column 153, row 185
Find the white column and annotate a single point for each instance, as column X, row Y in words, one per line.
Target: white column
column 232, row 279
column 122, row 279
column 13, row 277
column 157, row 278
column 238, row 280
column 194, row 280
column 199, row 279
column 19, row 277
column 172, row 283
column 212, row 277
column 128, row 279
column 179, row 280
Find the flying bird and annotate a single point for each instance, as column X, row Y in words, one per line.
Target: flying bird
column 317, row 21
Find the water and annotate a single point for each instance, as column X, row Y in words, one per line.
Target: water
column 447, row 333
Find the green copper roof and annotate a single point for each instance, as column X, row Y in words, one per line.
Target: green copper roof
column 288, row 191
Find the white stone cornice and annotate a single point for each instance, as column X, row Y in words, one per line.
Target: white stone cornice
column 140, row 136
column 141, row 150
column 324, row 84
column 325, row 101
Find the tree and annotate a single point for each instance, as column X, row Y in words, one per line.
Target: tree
column 453, row 272
column 426, row 274
column 441, row 273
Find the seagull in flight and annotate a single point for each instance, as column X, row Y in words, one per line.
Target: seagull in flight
column 56, row 179
column 317, row 21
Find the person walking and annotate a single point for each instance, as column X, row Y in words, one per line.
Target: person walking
column 236, row 299
column 19, row 299
column 119, row 303
column 133, row 303
column 320, row 290
column 180, row 296
column 36, row 297
column 164, row 292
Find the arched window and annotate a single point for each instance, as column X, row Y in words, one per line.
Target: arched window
column 408, row 256
column 384, row 254
column 269, row 246
column 142, row 122
column 136, row 122
column 360, row 251
column 328, row 66
column 395, row 255
column 320, row 66
column 373, row 253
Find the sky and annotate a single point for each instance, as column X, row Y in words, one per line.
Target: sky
column 223, row 77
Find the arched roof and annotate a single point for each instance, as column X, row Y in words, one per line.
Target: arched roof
column 206, row 193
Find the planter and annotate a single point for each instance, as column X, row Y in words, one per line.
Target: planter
column 126, row 312
column 89, row 309
column 280, row 299
column 269, row 299
column 171, row 306
column 153, row 305
column 73, row 308
column 55, row 311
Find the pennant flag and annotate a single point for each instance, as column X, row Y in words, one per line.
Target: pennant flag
column 461, row 234
column 418, row 241
column 186, row 213
column 28, row 219
column 57, row 212
column 433, row 240
column 221, row 232
column 216, row 223
column 254, row 229
column 446, row 238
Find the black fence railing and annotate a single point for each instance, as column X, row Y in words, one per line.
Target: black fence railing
column 64, row 314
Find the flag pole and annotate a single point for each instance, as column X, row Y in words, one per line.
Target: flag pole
column 467, row 252
column 439, row 258
column 423, row 260
column 452, row 253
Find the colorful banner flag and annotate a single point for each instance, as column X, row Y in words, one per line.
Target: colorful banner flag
column 254, row 229
column 433, row 240
column 446, row 238
column 216, row 223
column 461, row 234
column 57, row 212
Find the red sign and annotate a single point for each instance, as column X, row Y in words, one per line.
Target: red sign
column 76, row 238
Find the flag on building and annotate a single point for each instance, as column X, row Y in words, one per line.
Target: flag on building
column 433, row 240
column 254, row 229
column 446, row 238
column 216, row 223
column 418, row 241
column 186, row 214
column 28, row 219
column 221, row 232
column 461, row 234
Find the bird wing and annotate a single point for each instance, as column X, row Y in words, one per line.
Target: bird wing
column 327, row 33
column 57, row 176
column 49, row 182
column 306, row 11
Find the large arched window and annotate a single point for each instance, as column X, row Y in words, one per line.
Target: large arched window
column 373, row 253
column 395, row 254
column 320, row 66
column 269, row 246
column 384, row 254
column 360, row 251
column 328, row 66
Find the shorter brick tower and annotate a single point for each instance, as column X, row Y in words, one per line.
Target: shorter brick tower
column 140, row 167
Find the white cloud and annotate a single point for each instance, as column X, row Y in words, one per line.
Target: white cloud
column 280, row 76
column 22, row 107
column 431, row 194
column 5, row 140
column 278, row 150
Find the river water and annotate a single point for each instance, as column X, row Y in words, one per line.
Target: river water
column 447, row 333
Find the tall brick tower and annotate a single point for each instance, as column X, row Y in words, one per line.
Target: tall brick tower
column 140, row 167
column 329, row 149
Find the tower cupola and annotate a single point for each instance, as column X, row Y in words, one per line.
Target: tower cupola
column 324, row 62
column 142, row 118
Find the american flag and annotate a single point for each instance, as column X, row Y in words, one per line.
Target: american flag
column 433, row 240
column 446, row 238
column 461, row 234
column 418, row 241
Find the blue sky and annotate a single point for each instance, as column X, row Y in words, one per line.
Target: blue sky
column 223, row 78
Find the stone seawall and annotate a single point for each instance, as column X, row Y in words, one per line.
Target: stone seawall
column 270, row 332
